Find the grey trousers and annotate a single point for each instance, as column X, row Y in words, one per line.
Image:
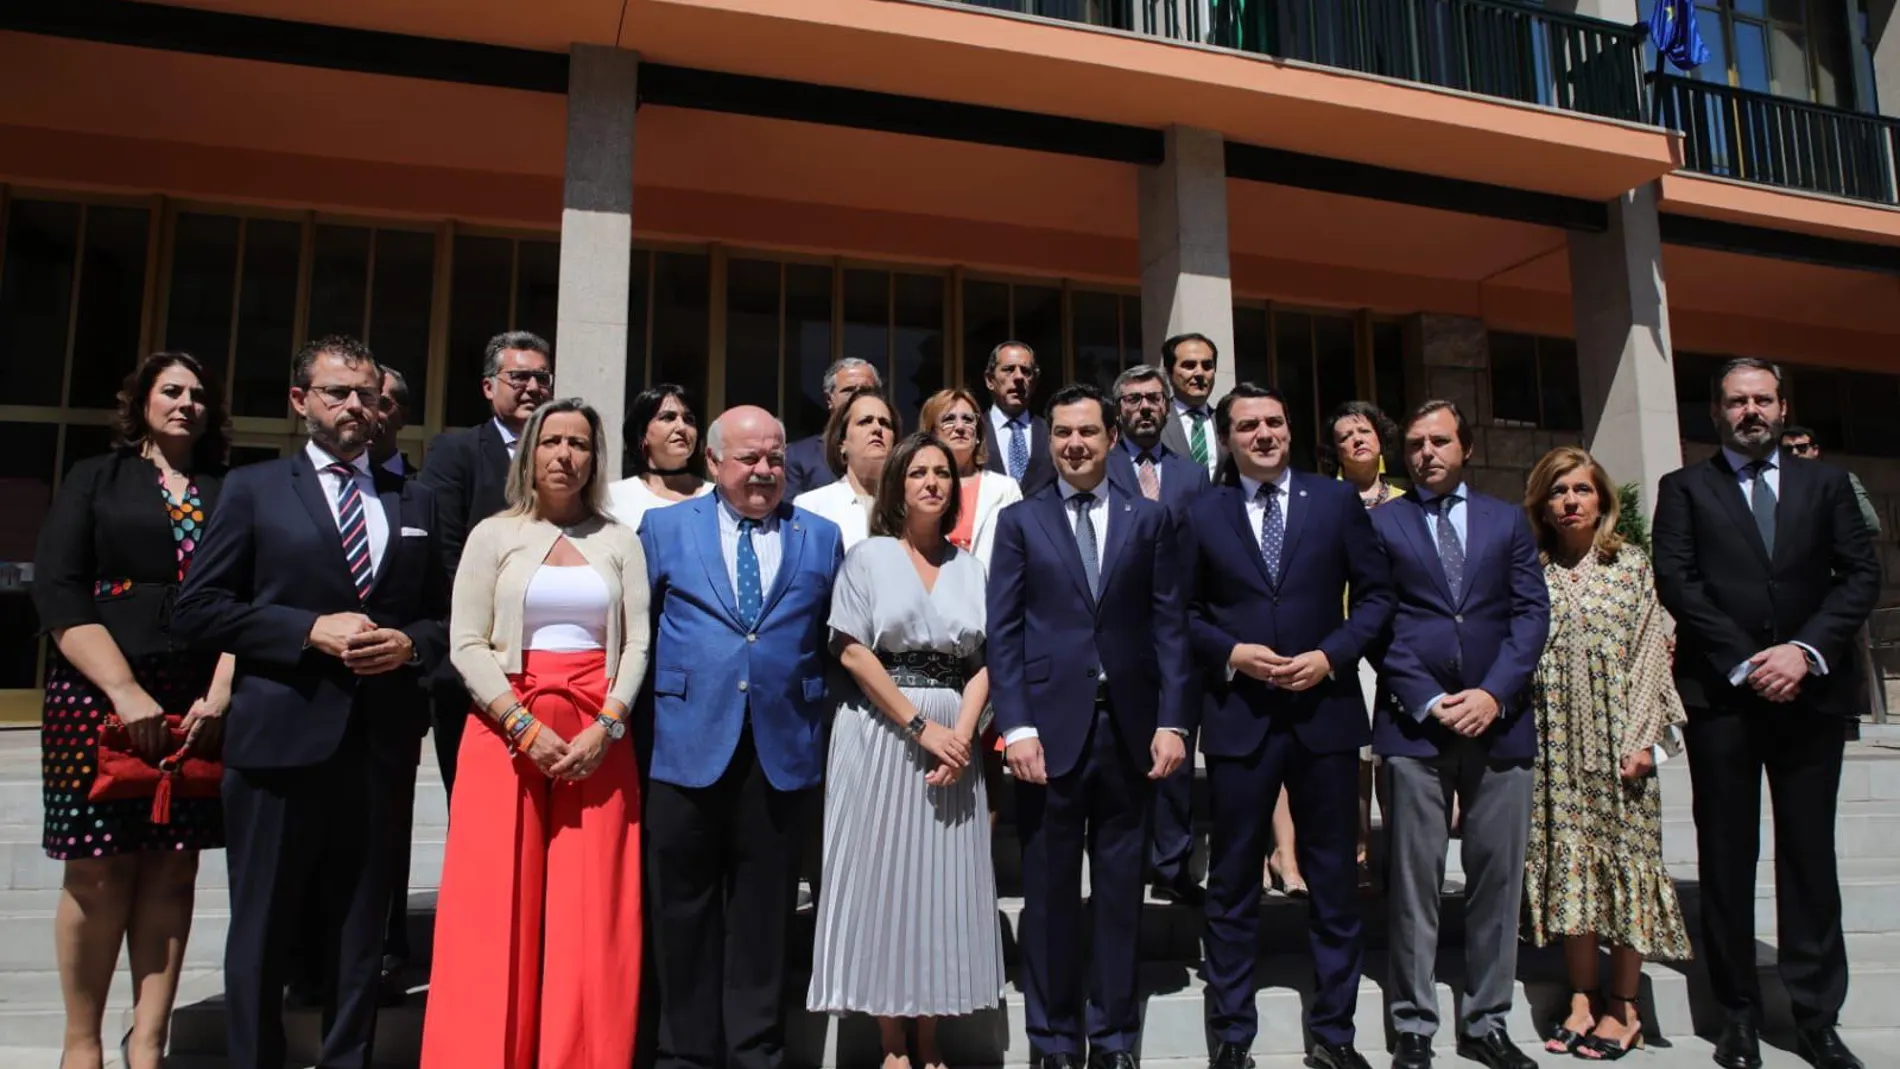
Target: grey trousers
column 1495, row 801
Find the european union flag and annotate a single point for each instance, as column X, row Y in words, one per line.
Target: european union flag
column 1672, row 27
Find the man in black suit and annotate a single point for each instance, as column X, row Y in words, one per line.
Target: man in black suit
column 468, row 470
column 1140, row 466
column 1019, row 441
column 805, row 464
column 322, row 574
column 1190, row 360
column 1766, row 564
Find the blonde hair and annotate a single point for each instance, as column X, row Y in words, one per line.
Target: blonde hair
column 523, row 500
column 1557, row 463
column 939, row 403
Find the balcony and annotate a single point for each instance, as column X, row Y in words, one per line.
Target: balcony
column 1491, row 47
column 1755, row 137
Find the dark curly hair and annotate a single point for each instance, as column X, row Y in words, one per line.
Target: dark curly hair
column 213, row 447
column 888, row 515
column 1382, row 426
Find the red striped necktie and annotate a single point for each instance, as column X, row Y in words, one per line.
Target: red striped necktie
column 354, row 528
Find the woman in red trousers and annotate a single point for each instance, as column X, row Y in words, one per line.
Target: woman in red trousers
column 537, row 938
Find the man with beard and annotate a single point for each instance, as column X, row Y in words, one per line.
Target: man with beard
column 1190, row 360
column 1019, row 441
column 1766, row 564
column 322, row 574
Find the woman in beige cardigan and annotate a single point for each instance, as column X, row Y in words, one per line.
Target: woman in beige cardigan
column 537, row 942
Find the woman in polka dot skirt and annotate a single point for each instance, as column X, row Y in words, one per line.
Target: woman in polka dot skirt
column 112, row 552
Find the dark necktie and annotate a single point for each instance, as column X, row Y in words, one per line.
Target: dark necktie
column 1761, row 502
column 353, row 527
column 1085, row 542
column 751, row 590
column 1272, row 530
column 1451, row 552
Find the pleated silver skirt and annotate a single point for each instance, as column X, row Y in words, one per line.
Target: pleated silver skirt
column 907, row 923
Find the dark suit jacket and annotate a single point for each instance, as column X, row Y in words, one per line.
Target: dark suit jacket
column 271, row 562
column 1049, row 640
column 468, row 472
column 1330, row 549
column 1182, row 480
column 1490, row 638
column 805, row 466
column 1731, row 601
column 1174, row 435
column 1041, row 470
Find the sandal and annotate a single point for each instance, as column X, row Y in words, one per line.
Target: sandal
column 1595, row 1048
column 1562, row 1040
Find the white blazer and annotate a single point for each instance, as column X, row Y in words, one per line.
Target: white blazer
column 838, row 503
column 993, row 494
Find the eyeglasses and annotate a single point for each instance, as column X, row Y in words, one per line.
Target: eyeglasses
column 955, row 419
column 1138, row 400
column 521, row 379
column 1801, row 449
column 340, row 395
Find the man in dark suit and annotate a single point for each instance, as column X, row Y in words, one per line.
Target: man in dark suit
column 323, row 575
column 468, row 470
column 805, row 464
column 1455, row 719
column 1269, row 565
column 1765, row 561
column 1092, row 686
column 1140, row 466
column 1019, row 441
column 1190, row 360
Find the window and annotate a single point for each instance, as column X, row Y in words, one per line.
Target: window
column 72, row 294
column 1106, row 329
column 1534, row 382
column 1790, row 48
column 496, row 284
column 26, row 473
column 1854, row 412
column 996, row 312
column 1318, row 361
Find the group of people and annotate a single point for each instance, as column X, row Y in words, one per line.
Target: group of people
column 646, row 693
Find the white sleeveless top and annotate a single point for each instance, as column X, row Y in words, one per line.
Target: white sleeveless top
column 565, row 610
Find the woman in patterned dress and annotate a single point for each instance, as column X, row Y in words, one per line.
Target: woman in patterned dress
column 112, row 553
column 1607, row 714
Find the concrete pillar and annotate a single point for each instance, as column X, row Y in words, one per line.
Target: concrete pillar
column 597, row 237
column 1185, row 283
column 1621, row 312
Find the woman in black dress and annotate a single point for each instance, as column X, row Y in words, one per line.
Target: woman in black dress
column 114, row 548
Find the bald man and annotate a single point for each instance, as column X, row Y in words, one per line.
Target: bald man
column 738, row 750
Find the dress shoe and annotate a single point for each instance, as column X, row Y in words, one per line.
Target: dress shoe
column 1336, row 1056
column 1112, row 1059
column 1231, row 1056
column 1181, row 892
column 1495, row 1050
column 1823, row 1049
column 1413, row 1052
column 1739, row 1047
column 1059, row 1061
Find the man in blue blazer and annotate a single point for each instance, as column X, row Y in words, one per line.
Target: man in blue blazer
column 1141, row 466
column 1091, row 683
column 1270, row 564
column 323, row 574
column 741, row 590
column 1455, row 718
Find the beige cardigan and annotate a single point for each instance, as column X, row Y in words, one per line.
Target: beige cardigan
column 491, row 584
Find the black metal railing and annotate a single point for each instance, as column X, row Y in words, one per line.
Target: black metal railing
column 1755, row 137
column 1493, row 47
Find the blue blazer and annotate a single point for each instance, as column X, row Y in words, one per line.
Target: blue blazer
column 709, row 671
column 1490, row 638
column 269, row 564
column 1330, row 551
column 1182, row 480
column 1049, row 640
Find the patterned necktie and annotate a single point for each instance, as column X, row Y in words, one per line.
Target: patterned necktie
column 1085, row 542
column 1197, row 441
column 751, row 590
column 353, row 528
column 1149, row 475
column 1451, row 553
column 1018, row 450
column 1272, row 530
column 1761, row 502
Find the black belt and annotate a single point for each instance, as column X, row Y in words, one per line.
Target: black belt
column 924, row 668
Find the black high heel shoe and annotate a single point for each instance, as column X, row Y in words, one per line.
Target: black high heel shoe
column 1562, row 1040
column 1595, row 1048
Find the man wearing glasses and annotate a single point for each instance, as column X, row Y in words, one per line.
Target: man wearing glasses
column 1019, row 441
column 1801, row 442
column 468, row 470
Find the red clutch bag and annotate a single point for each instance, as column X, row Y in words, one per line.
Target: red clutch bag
column 126, row 774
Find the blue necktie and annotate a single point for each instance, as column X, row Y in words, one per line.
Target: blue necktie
column 354, row 529
column 1085, row 542
column 1018, row 451
column 751, row 591
column 1451, row 552
column 1272, row 530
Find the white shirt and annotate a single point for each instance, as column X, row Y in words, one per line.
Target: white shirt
column 564, row 609
column 1097, row 513
column 1257, row 509
column 765, row 543
column 1745, row 482
column 508, row 437
column 373, row 518
column 631, row 499
column 1181, row 413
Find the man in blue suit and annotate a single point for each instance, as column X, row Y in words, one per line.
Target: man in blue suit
column 1091, row 681
column 1270, row 563
column 322, row 573
column 741, row 590
column 1455, row 719
column 1141, row 466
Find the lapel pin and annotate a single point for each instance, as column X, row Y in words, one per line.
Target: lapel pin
column 1302, row 493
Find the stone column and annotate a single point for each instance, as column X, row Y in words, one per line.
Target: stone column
column 1185, row 282
column 1621, row 312
column 597, row 237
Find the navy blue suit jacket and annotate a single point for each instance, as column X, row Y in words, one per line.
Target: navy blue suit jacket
column 1489, row 638
column 1049, row 640
column 1182, row 480
column 806, row 467
column 1330, row 550
column 269, row 564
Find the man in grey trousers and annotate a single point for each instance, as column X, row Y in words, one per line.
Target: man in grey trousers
column 1454, row 720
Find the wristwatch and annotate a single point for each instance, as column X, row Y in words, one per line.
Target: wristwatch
column 615, row 726
column 916, row 726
